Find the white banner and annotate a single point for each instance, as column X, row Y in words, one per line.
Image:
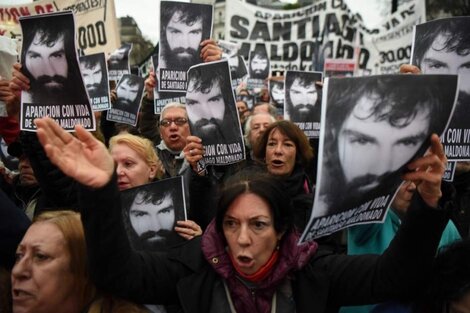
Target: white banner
column 301, row 39
column 96, row 23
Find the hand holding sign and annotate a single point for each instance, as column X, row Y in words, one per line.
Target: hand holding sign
column 150, row 83
column 210, row 51
column 193, row 151
column 19, row 81
column 427, row 172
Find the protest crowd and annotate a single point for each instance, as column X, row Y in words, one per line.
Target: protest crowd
column 206, row 206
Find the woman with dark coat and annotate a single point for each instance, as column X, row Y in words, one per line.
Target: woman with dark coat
column 285, row 151
column 248, row 259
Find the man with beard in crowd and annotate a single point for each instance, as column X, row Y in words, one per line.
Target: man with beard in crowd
column 151, row 218
column 184, row 28
column 259, row 63
column 47, row 55
column 92, row 73
column 212, row 105
column 127, row 93
column 444, row 48
column 303, row 99
column 373, row 130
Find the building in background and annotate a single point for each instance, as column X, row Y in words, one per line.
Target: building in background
column 130, row 33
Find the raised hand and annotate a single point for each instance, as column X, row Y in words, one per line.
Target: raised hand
column 84, row 158
column 19, row 81
column 210, row 51
column 193, row 151
column 8, row 97
column 427, row 171
column 150, row 84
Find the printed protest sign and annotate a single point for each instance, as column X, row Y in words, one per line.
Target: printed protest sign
column 50, row 62
column 372, row 127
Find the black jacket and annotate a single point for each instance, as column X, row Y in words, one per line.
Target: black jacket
column 184, row 277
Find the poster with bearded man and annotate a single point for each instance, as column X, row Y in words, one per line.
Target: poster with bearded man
column 183, row 26
column 213, row 115
column 49, row 60
column 371, row 128
column 303, row 100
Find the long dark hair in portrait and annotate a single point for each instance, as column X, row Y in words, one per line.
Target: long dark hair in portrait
column 259, row 53
column 397, row 100
column 49, row 30
column 153, row 193
column 96, row 61
column 189, row 14
column 202, row 79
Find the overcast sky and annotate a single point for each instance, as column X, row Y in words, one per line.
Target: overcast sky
column 146, row 12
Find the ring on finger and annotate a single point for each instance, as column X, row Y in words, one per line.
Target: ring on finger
column 191, row 152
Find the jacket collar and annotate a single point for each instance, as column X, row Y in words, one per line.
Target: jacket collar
column 292, row 257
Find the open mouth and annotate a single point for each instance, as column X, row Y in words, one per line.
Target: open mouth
column 19, row 294
column 174, row 137
column 245, row 261
column 277, row 162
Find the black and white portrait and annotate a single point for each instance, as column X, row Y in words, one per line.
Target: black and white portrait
column 212, row 112
column 443, row 47
column 373, row 127
column 50, row 62
column 129, row 92
column 248, row 99
column 276, row 93
column 183, row 27
column 236, row 62
column 95, row 76
column 118, row 62
column 259, row 67
column 150, row 213
column 238, row 70
column 302, row 96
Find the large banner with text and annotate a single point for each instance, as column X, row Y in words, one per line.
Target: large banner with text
column 302, row 39
column 95, row 20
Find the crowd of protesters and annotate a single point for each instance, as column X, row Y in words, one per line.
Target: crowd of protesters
column 64, row 244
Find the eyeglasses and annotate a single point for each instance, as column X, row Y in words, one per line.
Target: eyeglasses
column 180, row 121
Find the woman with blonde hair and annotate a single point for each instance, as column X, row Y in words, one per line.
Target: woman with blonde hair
column 136, row 160
column 137, row 164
